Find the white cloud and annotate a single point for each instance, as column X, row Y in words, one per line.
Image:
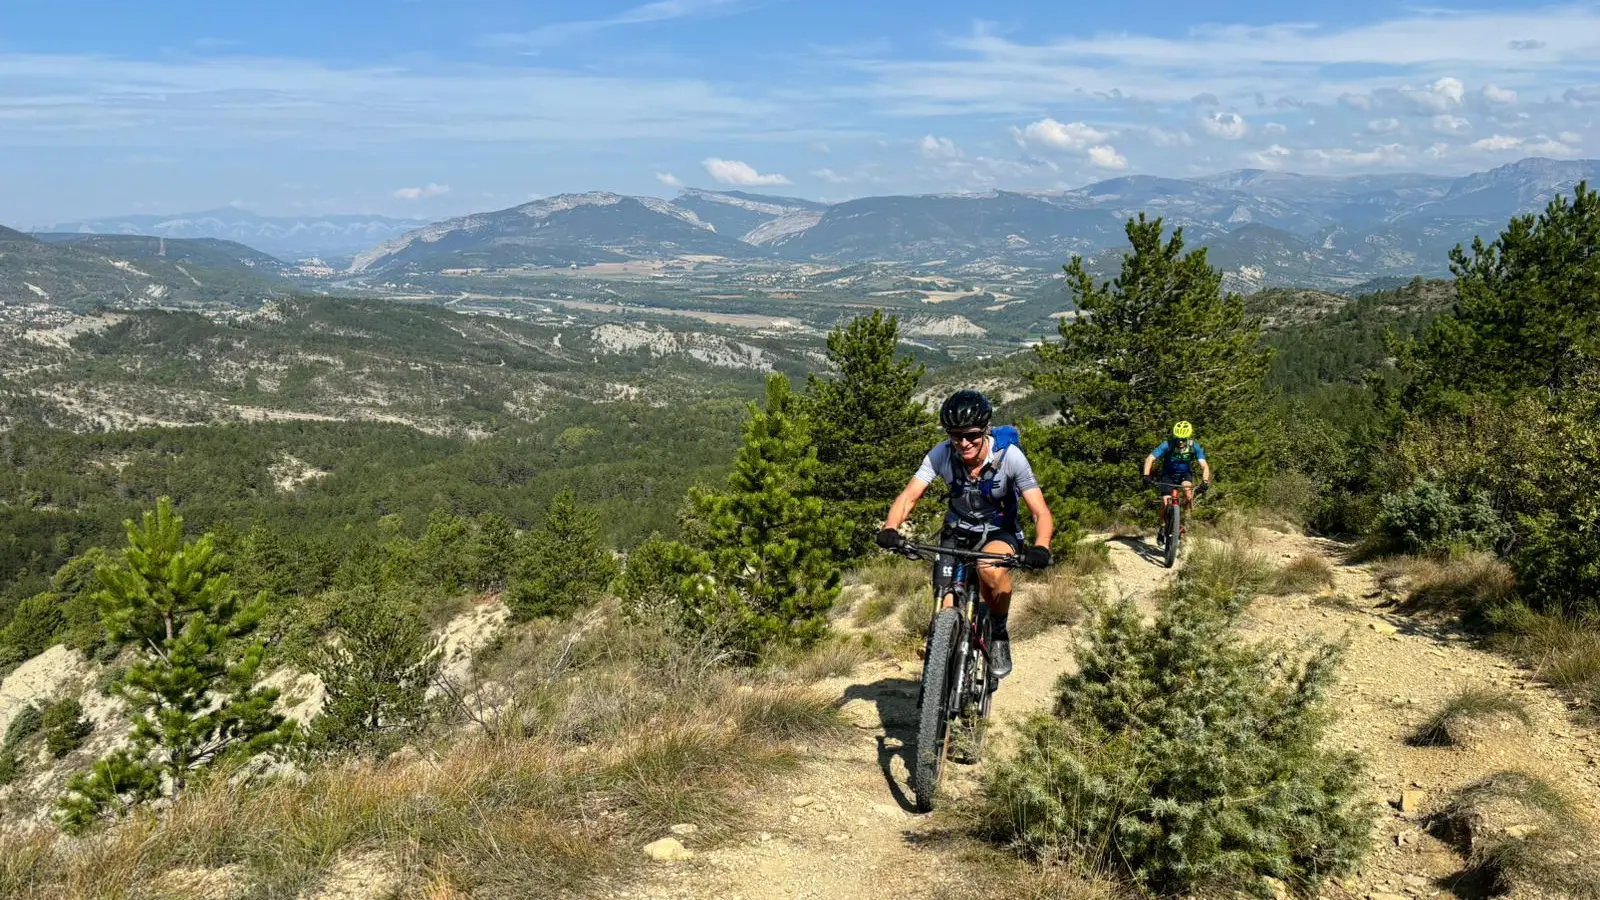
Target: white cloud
column 1106, row 157
column 658, row 11
column 1590, row 94
column 1499, row 95
column 1569, row 137
column 426, row 191
column 1445, row 124
column 1272, row 157
column 1384, row 126
column 1382, row 155
column 1048, row 134
column 1356, row 101
column 669, row 179
column 1440, row 96
column 1163, row 138
column 938, row 148
column 1498, row 143
column 1275, row 128
column 1226, row 125
column 1543, row 146
column 832, row 177
column 733, row 171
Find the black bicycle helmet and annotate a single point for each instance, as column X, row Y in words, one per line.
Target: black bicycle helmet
column 965, row 409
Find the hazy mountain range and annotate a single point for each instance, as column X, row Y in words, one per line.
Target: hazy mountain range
column 284, row 237
column 1265, row 227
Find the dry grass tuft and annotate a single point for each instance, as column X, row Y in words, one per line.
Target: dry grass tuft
column 874, row 608
column 894, row 576
column 1520, row 831
column 1561, row 652
column 835, row 658
column 1302, row 575
column 1055, row 603
column 1230, row 568
column 1452, row 725
column 1469, row 585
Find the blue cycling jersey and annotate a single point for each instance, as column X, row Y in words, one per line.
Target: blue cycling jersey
column 1176, row 463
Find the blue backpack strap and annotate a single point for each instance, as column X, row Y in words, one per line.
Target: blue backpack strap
column 1005, row 437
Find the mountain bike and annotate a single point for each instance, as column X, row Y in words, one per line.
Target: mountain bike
column 957, row 689
column 1174, row 503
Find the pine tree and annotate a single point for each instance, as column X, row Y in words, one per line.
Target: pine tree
column 766, row 574
column 870, row 434
column 377, row 674
column 563, row 565
column 493, row 550
column 192, row 694
column 1527, row 313
column 1159, row 344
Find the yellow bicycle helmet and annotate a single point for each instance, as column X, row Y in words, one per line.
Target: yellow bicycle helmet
column 1183, row 431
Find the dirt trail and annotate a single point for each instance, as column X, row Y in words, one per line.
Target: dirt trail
column 844, row 827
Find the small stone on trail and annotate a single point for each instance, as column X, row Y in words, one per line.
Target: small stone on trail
column 1410, row 802
column 803, row 801
column 667, row 850
column 1520, row 831
column 684, row 829
column 1380, row 896
column 1383, row 627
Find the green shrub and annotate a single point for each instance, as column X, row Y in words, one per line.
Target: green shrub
column 10, row 767
column 24, row 725
column 1427, row 518
column 1557, row 564
column 65, row 727
column 35, row 626
column 1184, row 784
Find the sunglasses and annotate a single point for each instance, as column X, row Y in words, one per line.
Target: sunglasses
column 965, row 437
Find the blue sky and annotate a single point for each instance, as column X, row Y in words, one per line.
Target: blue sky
column 432, row 108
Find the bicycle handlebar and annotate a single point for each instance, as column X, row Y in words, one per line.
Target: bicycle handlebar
column 923, row 551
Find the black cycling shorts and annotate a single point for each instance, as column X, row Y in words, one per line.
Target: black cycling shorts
column 944, row 568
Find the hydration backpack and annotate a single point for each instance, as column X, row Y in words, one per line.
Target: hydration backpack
column 1005, row 437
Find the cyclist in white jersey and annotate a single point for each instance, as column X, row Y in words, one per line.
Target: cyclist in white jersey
column 985, row 485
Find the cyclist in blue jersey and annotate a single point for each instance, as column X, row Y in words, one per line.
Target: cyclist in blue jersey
column 1178, row 456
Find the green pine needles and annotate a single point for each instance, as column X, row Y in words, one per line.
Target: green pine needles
column 1185, row 759
column 1159, row 344
column 192, row 695
column 869, row 431
column 763, row 571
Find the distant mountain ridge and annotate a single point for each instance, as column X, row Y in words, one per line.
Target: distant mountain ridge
column 1265, row 227
column 82, row 272
column 287, row 238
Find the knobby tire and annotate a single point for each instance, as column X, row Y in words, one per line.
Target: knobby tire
column 933, row 732
column 1174, row 528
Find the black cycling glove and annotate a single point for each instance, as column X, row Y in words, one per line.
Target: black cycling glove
column 890, row 539
column 1037, row 557
column 1204, row 486
column 1149, row 481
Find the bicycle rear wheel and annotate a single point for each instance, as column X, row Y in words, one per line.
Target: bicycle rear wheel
column 1173, row 532
column 933, row 719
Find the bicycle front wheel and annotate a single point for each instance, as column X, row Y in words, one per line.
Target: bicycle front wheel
column 1173, row 531
column 933, row 719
